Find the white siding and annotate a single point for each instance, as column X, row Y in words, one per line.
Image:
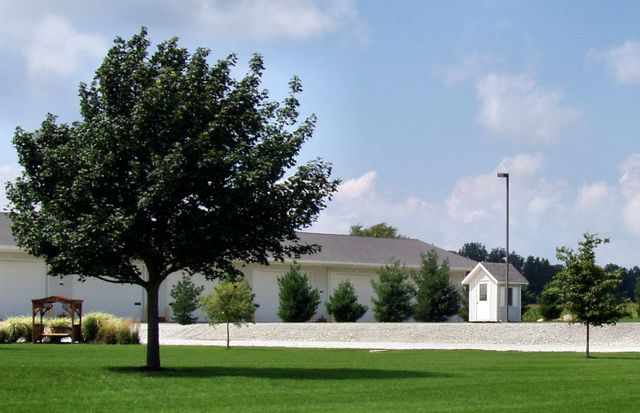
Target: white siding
column 122, row 300
column 21, row 280
column 264, row 284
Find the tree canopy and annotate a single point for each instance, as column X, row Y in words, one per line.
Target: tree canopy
column 381, row 230
column 586, row 290
column 474, row 250
column 175, row 164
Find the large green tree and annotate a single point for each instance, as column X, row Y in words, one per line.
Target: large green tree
column 175, row 164
column 436, row 298
column 474, row 250
column 381, row 230
column 586, row 290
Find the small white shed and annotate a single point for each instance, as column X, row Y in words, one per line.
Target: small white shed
column 487, row 283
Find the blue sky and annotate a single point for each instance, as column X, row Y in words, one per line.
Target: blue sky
column 419, row 103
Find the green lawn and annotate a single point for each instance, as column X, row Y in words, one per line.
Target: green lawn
column 74, row 378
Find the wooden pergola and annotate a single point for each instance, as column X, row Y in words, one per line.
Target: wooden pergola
column 71, row 306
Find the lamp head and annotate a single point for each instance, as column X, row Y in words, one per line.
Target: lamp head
column 503, row 175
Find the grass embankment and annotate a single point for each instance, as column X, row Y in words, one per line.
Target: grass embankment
column 103, row 378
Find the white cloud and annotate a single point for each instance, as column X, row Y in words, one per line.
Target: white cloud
column 273, row 19
column 469, row 67
column 477, row 197
column 358, row 202
column 623, row 61
column 515, row 107
column 357, row 187
column 56, row 48
column 630, row 188
column 594, row 199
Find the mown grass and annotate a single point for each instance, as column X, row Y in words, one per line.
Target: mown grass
column 104, row 378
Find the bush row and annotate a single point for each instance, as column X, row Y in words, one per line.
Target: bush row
column 96, row 328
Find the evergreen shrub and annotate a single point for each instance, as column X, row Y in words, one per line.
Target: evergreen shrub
column 298, row 299
column 343, row 305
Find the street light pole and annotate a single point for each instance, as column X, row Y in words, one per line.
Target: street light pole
column 506, row 292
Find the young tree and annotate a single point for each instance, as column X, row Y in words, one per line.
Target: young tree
column 343, row 304
column 436, row 298
column 175, row 164
column 394, row 294
column 298, row 299
column 586, row 289
column 381, row 230
column 185, row 296
column 229, row 302
column 474, row 250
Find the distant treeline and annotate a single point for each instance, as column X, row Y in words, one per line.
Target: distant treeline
column 539, row 271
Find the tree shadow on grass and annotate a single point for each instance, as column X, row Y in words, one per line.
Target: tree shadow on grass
column 285, row 373
column 620, row 356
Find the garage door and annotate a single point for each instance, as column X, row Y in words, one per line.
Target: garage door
column 265, row 286
column 20, row 282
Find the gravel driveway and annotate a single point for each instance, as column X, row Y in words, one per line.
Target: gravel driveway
column 623, row 337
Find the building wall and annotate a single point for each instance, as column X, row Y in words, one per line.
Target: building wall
column 23, row 278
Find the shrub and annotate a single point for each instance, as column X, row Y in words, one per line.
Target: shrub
column 57, row 322
column 108, row 332
column 394, row 294
column 532, row 314
column 550, row 302
column 436, row 298
column 343, row 304
column 91, row 324
column 298, row 299
column 185, row 296
column 3, row 334
column 128, row 332
column 18, row 327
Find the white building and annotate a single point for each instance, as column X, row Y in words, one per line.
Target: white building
column 23, row 277
column 487, row 286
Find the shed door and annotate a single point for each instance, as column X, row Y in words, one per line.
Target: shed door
column 482, row 302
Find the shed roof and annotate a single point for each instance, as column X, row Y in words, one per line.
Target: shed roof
column 498, row 271
column 339, row 249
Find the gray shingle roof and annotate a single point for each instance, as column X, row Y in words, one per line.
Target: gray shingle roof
column 376, row 251
column 339, row 249
column 499, row 271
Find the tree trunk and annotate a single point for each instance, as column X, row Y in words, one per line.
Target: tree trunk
column 227, row 333
column 588, row 356
column 153, row 334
